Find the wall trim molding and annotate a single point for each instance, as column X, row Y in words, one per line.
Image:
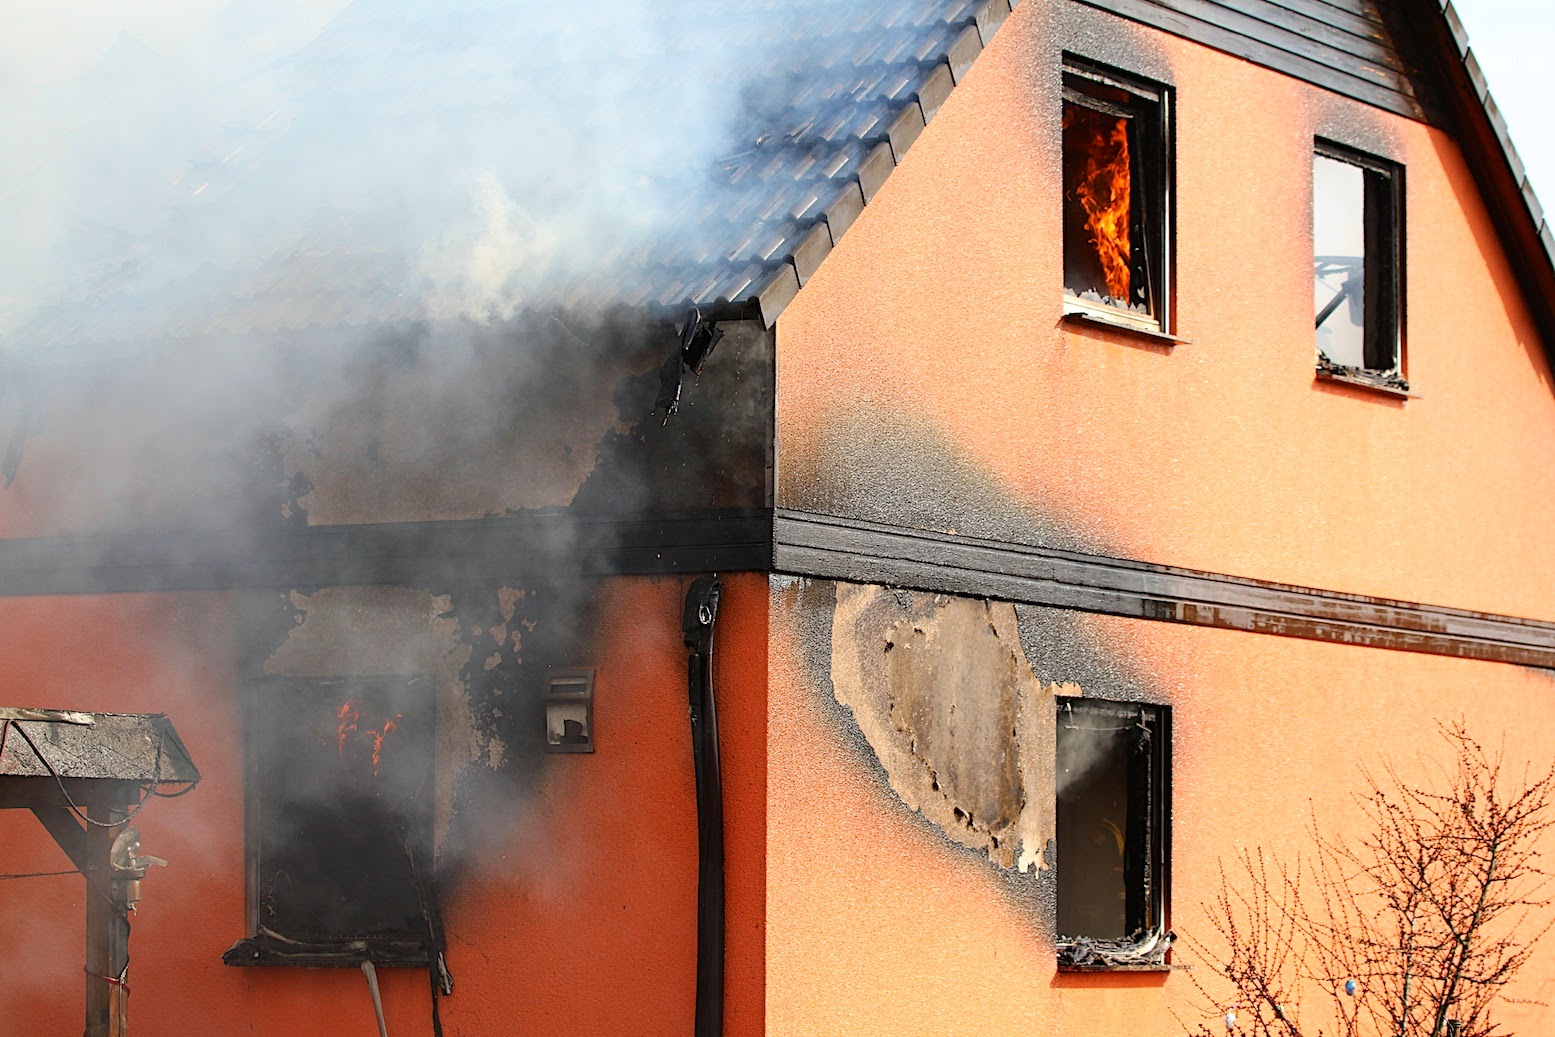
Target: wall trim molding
column 866, row 552
column 563, row 546
column 527, row 547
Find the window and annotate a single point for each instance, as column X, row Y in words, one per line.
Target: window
column 1356, row 221
column 1116, row 216
column 339, row 822
column 1113, row 809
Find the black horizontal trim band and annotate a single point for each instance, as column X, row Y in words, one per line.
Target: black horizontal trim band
column 553, row 546
column 475, row 551
column 852, row 550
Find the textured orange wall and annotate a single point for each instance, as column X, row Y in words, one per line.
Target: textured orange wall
column 924, row 373
column 582, row 920
column 878, row 924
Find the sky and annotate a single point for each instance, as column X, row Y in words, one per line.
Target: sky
column 1513, row 40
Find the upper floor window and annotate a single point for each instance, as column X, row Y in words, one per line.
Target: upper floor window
column 1116, row 216
column 1356, row 222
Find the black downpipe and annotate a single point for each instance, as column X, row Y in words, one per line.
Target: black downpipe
column 701, row 612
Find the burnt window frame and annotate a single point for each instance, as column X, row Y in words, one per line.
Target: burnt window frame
column 261, row 947
column 1152, row 181
column 1383, row 281
column 1148, row 873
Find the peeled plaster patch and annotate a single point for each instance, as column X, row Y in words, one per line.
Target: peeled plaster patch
column 944, row 694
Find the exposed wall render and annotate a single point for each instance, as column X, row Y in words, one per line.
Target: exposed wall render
column 943, row 692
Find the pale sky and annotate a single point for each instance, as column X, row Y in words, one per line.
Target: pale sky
column 1514, row 41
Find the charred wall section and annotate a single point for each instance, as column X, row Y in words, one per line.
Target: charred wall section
column 409, row 423
column 951, row 702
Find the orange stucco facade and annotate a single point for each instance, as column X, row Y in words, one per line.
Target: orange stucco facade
column 926, row 379
column 925, row 376
column 578, row 916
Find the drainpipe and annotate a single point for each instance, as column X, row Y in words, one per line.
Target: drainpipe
column 701, row 612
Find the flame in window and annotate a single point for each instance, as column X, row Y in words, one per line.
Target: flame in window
column 350, row 717
column 1103, row 189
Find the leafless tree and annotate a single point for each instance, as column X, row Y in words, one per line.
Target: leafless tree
column 1412, row 929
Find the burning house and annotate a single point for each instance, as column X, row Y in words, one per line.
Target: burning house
column 830, row 517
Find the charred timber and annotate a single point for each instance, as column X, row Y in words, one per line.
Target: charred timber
column 476, row 551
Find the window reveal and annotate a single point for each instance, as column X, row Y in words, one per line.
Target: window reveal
column 1356, row 208
column 1114, row 197
column 340, row 821
column 1112, row 771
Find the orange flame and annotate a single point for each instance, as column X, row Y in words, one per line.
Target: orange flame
column 389, row 726
column 1103, row 191
column 350, row 724
column 349, row 715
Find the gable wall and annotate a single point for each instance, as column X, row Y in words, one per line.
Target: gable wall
column 926, row 379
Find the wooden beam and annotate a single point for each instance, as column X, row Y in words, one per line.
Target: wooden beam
column 560, row 546
column 68, row 833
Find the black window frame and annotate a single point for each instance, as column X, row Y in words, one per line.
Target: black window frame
column 1149, row 106
column 1382, row 277
column 1147, row 848
column 415, row 946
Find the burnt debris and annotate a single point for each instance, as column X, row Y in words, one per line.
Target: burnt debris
column 698, row 337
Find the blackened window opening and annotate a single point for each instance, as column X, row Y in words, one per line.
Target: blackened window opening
column 1357, row 249
column 1111, row 824
column 343, row 769
column 1114, row 194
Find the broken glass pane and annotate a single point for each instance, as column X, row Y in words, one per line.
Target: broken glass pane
column 1339, row 259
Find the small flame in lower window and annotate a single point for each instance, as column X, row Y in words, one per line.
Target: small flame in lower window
column 379, row 736
column 350, row 717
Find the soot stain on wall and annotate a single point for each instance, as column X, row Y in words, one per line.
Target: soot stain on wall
column 901, row 470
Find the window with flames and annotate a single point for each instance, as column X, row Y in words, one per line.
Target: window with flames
column 340, row 817
column 1116, row 156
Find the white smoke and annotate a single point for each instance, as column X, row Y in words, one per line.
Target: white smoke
column 477, row 150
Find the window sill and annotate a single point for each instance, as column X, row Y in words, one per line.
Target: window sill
column 1082, row 969
column 1327, row 371
column 1091, row 318
column 1146, row 952
column 267, row 951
